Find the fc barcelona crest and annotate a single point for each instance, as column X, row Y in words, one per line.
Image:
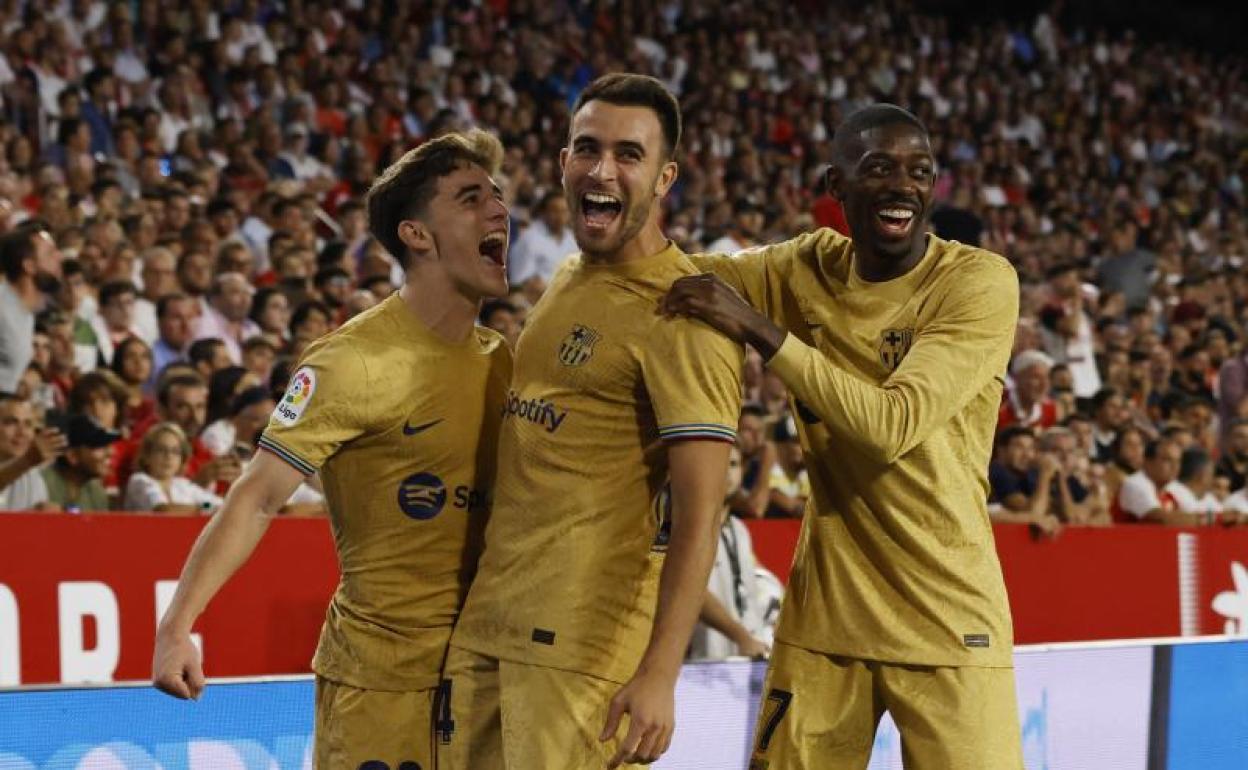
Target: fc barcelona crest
column 894, row 344
column 578, row 346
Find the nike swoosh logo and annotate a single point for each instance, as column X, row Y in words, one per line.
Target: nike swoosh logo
column 412, row 430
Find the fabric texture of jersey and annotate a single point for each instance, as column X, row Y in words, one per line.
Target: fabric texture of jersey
column 402, row 427
column 896, row 385
column 573, row 552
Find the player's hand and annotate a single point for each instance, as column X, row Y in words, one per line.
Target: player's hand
column 650, row 702
column 754, row 648
column 47, row 445
column 709, row 299
column 1048, row 525
column 176, row 667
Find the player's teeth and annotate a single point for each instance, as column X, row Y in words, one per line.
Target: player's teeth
column 897, row 213
column 597, row 198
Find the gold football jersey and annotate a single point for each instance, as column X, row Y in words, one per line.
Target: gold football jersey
column 575, row 544
column 896, row 386
column 402, row 426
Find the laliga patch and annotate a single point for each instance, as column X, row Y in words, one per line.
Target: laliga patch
column 298, row 394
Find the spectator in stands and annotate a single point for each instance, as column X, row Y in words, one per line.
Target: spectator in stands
column 158, row 485
column 1028, row 402
column 544, row 244
column 259, row 353
column 1127, row 457
column 74, row 480
column 1021, row 481
column 160, row 278
column 1067, row 331
column 1193, row 490
column 1233, row 464
column 31, row 263
column 225, row 318
column 789, row 484
column 503, row 317
column 1078, row 492
column 132, row 363
column 208, row 356
column 270, row 310
column 175, row 319
column 24, row 450
column 310, row 321
column 224, row 385
column 1144, row 495
column 731, row 621
column 753, row 495
column 1109, row 415
column 101, row 396
column 115, row 321
column 748, row 220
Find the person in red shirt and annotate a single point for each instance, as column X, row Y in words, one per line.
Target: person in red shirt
column 1028, row 403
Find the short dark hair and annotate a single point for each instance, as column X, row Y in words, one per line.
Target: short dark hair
column 114, row 289
column 868, row 118
column 1153, row 447
column 492, row 306
column 628, row 89
column 306, row 308
column 1011, row 432
column 18, row 246
column 1193, row 461
column 184, row 380
column 201, row 350
column 1102, row 397
column 405, row 188
column 162, row 304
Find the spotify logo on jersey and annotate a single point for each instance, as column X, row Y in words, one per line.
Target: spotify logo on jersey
column 422, row 495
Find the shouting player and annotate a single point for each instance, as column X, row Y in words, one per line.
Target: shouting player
column 894, row 345
column 398, row 411
column 584, row 603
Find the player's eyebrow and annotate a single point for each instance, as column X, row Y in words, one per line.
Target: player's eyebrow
column 468, row 189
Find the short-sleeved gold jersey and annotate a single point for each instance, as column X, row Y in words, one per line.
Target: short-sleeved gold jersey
column 402, row 426
column 897, row 386
column 575, row 543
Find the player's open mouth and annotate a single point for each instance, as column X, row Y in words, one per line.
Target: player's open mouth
column 895, row 221
column 599, row 210
column 494, row 247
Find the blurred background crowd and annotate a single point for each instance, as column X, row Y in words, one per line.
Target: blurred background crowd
column 181, row 200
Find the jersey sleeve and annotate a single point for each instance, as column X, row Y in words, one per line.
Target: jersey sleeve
column 956, row 354
column 754, row 271
column 325, row 405
column 693, row 376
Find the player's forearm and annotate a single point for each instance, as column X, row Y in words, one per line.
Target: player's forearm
column 224, row 545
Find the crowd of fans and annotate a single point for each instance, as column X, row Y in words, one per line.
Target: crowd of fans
column 181, row 195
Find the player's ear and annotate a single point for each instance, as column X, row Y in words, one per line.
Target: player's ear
column 667, row 177
column 415, row 235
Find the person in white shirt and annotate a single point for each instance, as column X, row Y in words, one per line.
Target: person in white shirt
column 160, row 278
column 732, row 620
column 1144, row 495
column 158, row 484
column 115, row 321
column 1193, row 489
column 747, row 224
column 545, row 244
column 31, row 264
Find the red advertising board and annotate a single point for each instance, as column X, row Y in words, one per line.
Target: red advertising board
column 80, row 595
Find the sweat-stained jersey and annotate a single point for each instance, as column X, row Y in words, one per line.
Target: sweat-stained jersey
column 896, row 386
column 402, row 426
column 574, row 547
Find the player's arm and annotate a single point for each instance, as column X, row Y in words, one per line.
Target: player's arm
column 224, row 546
column 699, row 472
column 952, row 358
column 754, row 272
column 717, row 616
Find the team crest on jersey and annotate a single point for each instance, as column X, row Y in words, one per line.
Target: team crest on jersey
column 894, row 344
column 578, row 346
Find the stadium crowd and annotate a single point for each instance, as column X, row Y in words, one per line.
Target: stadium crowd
column 181, row 195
